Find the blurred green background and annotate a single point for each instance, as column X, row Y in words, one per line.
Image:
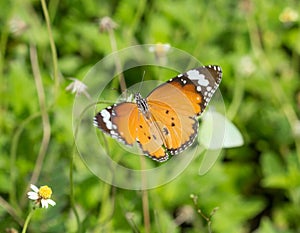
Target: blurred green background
column 253, row 188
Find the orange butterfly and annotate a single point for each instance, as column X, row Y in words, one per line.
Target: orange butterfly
column 165, row 122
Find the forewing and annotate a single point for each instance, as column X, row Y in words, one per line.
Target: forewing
column 206, row 79
column 119, row 121
column 125, row 123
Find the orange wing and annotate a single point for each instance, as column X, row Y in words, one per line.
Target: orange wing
column 176, row 104
column 124, row 123
column 150, row 139
column 119, row 122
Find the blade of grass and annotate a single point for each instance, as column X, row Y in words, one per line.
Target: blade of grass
column 53, row 50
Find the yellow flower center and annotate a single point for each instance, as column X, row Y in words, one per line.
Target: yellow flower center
column 45, row 192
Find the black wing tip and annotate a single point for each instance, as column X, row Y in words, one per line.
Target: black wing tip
column 103, row 122
column 217, row 69
column 96, row 120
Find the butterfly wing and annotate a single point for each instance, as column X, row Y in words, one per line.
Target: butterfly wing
column 206, row 80
column 175, row 105
column 150, row 139
column 119, row 121
column 126, row 124
column 177, row 130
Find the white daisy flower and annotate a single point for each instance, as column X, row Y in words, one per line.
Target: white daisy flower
column 41, row 196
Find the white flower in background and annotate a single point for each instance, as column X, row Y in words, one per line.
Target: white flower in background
column 17, row 26
column 77, row 87
column 107, row 24
column 247, row 66
column 41, row 196
column 289, row 15
column 160, row 50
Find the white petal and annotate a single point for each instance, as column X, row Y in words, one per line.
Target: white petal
column 44, row 203
column 34, row 188
column 51, row 202
column 33, row 195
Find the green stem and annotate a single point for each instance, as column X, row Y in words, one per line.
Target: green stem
column 136, row 23
column 145, row 198
column 72, row 199
column 237, row 98
column 27, row 221
column 71, row 176
column 53, row 49
column 11, row 210
column 117, row 59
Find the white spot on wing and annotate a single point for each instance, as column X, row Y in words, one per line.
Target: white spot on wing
column 106, row 115
column 200, row 78
column 95, row 122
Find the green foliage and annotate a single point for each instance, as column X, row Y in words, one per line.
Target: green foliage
column 256, row 187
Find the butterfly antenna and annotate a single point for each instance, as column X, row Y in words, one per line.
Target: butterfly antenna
column 140, row 87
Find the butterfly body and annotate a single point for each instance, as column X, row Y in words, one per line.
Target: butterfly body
column 165, row 122
column 141, row 104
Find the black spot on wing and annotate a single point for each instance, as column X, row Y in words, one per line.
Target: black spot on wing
column 189, row 142
column 165, row 131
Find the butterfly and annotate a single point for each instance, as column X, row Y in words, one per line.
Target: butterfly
column 165, row 122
